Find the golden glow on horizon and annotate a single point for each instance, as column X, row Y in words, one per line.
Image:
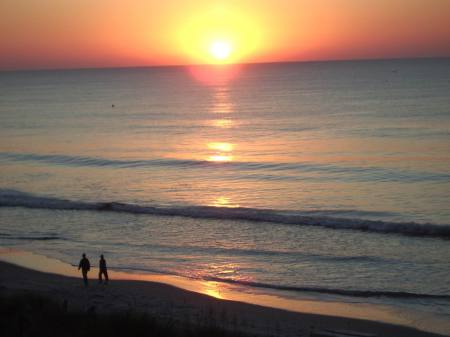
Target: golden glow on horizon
column 104, row 33
column 219, row 35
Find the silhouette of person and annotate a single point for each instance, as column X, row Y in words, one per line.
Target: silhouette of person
column 103, row 270
column 85, row 266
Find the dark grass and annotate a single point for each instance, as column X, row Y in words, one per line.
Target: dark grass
column 33, row 315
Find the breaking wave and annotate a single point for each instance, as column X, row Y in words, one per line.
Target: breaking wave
column 13, row 198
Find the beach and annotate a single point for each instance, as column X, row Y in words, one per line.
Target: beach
column 165, row 301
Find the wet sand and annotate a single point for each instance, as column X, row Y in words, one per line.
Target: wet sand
column 167, row 301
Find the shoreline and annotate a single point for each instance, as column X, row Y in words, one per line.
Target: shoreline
column 183, row 299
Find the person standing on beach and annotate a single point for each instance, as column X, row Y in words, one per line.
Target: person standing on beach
column 85, row 266
column 103, row 270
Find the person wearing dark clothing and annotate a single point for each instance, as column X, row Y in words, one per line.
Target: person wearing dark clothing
column 85, row 266
column 103, row 270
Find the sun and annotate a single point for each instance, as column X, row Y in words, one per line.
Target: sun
column 220, row 50
column 220, row 34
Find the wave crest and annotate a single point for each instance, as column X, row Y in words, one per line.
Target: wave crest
column 13, row 198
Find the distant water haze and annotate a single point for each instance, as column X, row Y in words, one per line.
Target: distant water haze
column 333, row 176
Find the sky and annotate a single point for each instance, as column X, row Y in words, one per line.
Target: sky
column 41, row 34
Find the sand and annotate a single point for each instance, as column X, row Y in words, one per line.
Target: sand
column 163, row 300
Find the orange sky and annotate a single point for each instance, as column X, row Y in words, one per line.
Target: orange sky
column 104, row 33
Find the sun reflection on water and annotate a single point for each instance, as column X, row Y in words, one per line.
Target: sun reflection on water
column 222, row 149
column 221, row 104
column 212, row 289
column 222, row 108
column 223, row 201
column 223, row 123
column 225, row 147
column 220, row 158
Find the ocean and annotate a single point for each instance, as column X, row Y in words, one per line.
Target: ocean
column 326, row 180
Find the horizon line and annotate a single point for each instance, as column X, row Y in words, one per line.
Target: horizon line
column 223, row 65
